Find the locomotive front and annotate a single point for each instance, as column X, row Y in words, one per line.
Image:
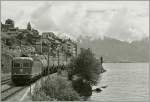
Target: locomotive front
column 21, row 69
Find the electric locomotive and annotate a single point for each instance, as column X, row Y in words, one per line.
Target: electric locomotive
column 24, row 69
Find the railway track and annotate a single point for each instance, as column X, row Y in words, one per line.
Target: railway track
column 5, row 81
column 11, row 91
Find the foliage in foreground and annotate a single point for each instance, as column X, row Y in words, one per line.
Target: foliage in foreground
column 82, row 87
column 84, row 71
column 86, row 66
column 55, row 88
column 39, row 95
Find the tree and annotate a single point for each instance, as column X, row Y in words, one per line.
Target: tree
column 86, row 66
column 84, row 71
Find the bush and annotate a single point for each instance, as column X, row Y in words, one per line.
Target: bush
column 86, row 66
column 39, row 95
column 84, row 71
column 56, row 88
column 83, row 88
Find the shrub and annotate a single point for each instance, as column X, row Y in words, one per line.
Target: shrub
column 86, row 66
column 84, row 71
column 39, row 95
column 57, row 88
column 82, row 87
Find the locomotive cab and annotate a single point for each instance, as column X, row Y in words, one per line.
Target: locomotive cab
column 21, row 69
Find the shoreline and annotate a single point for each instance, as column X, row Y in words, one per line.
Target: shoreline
column 125, row 62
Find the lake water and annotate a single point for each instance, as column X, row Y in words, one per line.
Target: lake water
column 126, row 82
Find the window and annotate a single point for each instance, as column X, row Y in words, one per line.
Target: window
column 16, row 64
column 26, row 64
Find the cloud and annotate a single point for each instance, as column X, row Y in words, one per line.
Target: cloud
column 125, row 27
column 40, row 17
column 119, row 26
column 58, row 18
column 121, row 20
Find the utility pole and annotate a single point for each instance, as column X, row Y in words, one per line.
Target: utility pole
column 58, row 70
column 21, row 47
column 66, row 56
column 48, row 58
column 58, row 57
column 76, row 49
column 41, row 45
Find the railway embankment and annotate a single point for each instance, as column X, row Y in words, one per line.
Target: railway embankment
column 54, row 87
column 74, row 83
column 70, row 84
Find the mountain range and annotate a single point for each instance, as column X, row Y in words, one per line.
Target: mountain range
column 113, row 50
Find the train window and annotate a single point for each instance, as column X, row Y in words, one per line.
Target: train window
column 16, row 64
column 26, row 64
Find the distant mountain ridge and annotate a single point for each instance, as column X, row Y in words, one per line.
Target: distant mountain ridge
column 114, row 50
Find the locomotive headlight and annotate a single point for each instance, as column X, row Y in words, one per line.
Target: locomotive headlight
column 14, row 73
column 21, row 70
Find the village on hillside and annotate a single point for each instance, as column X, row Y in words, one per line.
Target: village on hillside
column 29, row 57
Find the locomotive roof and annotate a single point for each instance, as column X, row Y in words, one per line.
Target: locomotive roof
column 27, row 58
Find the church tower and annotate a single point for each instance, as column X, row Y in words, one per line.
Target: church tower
column 29, row 26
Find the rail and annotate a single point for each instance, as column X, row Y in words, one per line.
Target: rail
column 11, row 91
column 5, row 81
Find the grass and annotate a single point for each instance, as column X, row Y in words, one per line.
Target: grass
column 55, row 87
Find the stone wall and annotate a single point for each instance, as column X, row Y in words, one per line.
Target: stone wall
column 6, row 63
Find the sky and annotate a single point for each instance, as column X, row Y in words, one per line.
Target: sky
column 122, row 20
